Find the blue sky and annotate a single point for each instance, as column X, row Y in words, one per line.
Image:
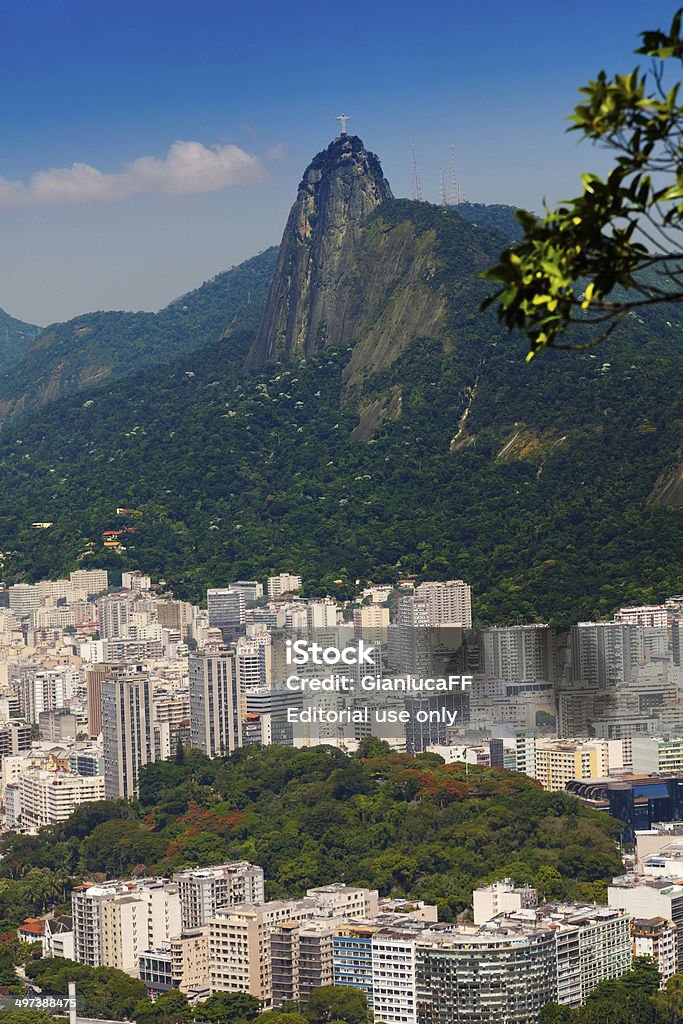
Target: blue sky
column 255, row 87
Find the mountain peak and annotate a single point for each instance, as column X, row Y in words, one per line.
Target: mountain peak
column 310, row 293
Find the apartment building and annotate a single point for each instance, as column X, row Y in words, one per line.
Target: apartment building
column 284, row 583
column 448, row 604
column 394, row 992
column 128, row 732
column 657, row 938
column 240, row 947
column 204, row 891
column 190, row 967
column 474, row 975
column 645, row 898
column 558, row 762
column 215, row 701
column 46, row 797
column 352, row 957
column 657, row 754
column 116, row 921
column 501, row 898
column 520, row 653
column 301, row 959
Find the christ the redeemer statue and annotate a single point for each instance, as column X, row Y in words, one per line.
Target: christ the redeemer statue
column 343, row 118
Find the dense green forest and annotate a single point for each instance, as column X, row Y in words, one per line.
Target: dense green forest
column 531, row 482
column 309, row 817
column 99, row 346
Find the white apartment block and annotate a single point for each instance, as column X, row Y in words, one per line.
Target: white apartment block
column 284, row 583
column 46, row 797
column 393, row 976
column 652, row 615
column 448, row 604
column 501, row 898
column 90, row 581
column 204, row 891
column 520, row 653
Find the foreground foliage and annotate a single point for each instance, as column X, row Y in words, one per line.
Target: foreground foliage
column 310, row 817
column 623, row 232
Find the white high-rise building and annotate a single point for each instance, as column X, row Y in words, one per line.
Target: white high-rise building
column 215, row 701
column 24, row 598
column 393, row 976
column 284, row 583
column 254, row 661
column 227, row 611
column 606, row 653
column 114, row 614
column 520, row 653
column 45, row 690
column 448, row 604
column 46, row 797
column 204, row 891
column 90, row 581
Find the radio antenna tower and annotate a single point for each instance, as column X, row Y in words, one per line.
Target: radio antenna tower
column 455, row 197
column 417, row 186
column 442, row 189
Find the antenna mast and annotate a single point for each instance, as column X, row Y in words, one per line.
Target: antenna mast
column 417, row 186
column 454, row 198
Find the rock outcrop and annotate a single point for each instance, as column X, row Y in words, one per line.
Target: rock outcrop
column 314, row 298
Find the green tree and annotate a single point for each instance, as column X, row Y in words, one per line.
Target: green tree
column 336, row 1003
column 617, row 246
column 227, row 1008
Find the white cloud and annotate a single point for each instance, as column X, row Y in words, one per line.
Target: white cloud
column 187, row 167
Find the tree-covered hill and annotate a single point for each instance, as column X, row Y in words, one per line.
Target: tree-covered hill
column 532, row 482
column 15, row 338
column 309, row 817
column 103, row 346
column 539, row 496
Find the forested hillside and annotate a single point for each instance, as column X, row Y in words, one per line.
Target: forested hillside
column 309, row 817
column 103, row 346
column 15, row 338
column 444, row 454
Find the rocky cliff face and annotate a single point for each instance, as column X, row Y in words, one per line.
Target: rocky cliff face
column 314, row 298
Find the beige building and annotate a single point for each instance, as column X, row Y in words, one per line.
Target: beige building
column 47, row 797
column 239, row 945
column 285, row 583
column 560, row 761
column 117, row 921
column 240, row 939
column 190, row 968
column 448, row 604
